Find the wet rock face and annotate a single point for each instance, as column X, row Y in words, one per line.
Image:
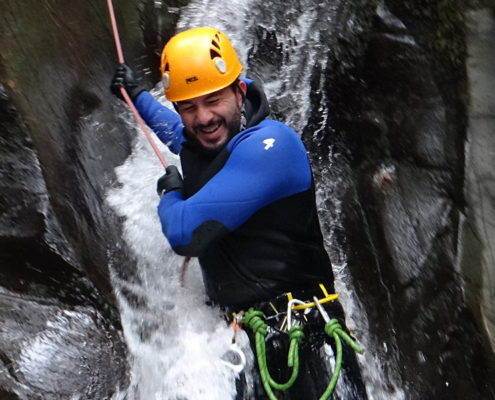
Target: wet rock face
column 50, row 351
column 400, row 116
column 57, row 331
column 386, row 132
column 61, row 139
column 478, row 255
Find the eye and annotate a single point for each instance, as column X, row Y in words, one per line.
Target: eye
column 185, row 107
column 213, row 100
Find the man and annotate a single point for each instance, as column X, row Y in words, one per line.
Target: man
column 246, row 204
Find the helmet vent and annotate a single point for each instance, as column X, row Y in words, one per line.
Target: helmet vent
column 214, row 43
column 214, row 53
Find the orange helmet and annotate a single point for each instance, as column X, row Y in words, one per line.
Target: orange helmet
column 197, row 62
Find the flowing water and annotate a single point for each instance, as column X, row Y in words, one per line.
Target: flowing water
column 177, row 342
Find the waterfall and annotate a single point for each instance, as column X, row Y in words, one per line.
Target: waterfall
column 175, row 340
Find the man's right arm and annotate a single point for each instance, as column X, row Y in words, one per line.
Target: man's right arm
column 164, row 122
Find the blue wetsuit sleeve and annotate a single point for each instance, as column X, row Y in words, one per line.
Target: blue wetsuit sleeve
column 265, row 165
column 164, row 122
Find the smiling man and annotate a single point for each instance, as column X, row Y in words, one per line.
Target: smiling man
column 246, row 203
column 215, row 117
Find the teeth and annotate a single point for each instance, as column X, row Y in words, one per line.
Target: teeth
column 212, row 129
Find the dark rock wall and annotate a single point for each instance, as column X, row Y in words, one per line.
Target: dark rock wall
column 398, row 95
column 478, row 233
column 61, row 139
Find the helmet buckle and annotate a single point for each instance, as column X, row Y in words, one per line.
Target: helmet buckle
column 166, row 80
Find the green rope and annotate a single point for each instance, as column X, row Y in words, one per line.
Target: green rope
column 335, row 331
column 255, row 320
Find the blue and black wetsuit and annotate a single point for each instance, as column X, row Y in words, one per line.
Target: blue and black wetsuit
column 247, row 211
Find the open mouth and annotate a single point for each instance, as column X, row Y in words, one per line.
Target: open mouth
column 210, row 129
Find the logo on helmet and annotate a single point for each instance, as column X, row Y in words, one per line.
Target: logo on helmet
column 192, row 79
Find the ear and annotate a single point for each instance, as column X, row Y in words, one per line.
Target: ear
column 242, row 92
column 243, row 86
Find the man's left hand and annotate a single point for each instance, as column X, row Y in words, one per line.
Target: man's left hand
column 172, row 180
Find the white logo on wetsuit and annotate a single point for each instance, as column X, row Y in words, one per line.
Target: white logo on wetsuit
column 268, row 143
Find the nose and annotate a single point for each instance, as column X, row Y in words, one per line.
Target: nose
column 204, row 116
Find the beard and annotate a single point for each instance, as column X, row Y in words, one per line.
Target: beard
column 232, row 125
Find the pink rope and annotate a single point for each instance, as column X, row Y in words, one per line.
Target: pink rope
column 135, row 113
column 120, row 56
column 116, row 37
column 144, row 128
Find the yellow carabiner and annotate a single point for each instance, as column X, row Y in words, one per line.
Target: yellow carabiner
column 327, row 298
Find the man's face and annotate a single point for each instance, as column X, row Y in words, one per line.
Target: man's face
column 214, row 117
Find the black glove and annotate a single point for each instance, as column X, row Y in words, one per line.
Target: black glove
column 125, row 77
column 172, row 180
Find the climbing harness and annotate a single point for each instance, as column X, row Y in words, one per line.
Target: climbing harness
column 143, row 128
column 256, row 321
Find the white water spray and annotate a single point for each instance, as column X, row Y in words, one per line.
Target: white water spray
column 175, row 340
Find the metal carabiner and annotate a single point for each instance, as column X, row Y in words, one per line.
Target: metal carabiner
column 290, row 304
column 322, row 311
column 237, row 368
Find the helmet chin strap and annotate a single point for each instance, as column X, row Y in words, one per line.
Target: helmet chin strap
column 243, row 123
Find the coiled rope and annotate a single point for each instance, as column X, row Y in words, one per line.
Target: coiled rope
column 335, row 331
column 255, row 320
